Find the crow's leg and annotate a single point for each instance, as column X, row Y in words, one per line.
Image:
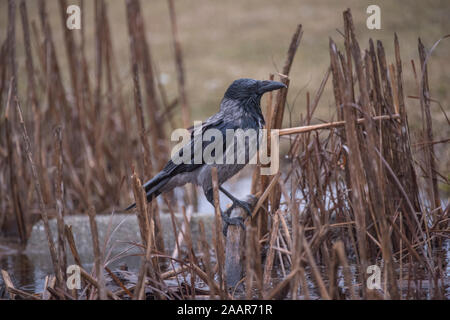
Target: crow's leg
column 237, row 221
column 236, row 202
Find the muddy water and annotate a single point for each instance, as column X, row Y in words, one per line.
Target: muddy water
column 28, row 267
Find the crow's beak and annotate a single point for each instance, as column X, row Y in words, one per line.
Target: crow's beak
column 267, row 85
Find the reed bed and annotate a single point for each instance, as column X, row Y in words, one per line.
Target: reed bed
column 351, row 193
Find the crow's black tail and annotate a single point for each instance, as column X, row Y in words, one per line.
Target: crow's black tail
column 152, row 187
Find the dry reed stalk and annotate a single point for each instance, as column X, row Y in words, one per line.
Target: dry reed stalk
column 139, row 290
column 315, row 271
column 147, row 165
column 132, row 16
column 340, row 256
column 191, row 193
column 22, row 294
column 54, row 84
column 157, row 128
column 180, row 237
column 354, row 161
column 293, row 243
column 95, row 283
column 176, row 235
column 207, row 259
column 276, row 120
column 280, row 290
column 8, row 283
column 98, row 259
column 234, row 248
column 174, row 272
column 202, row 275
column 430, row 156
column 265, row 195
column 50, row 283
column 141, row 205
column 71, row 241
column 38, row 189
column 347, row 61
column 59, row 194
column 190, row 248
column 72, row 54
column 331, row 125
column 16, row 203
column 375, row 175
column 219, row 242
column 153, row 108
column 250, row 257
column 11, row 41
column 426, row 251
column 179, row 66
column 260, row 182
column 118, row 282
column 59, row 294
column 270, row 255
column 11, row 73
column 31, row 76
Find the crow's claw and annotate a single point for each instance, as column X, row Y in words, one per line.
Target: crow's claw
column 244, row 205
column 236, row 221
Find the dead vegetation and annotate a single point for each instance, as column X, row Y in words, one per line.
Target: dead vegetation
column 352, row 193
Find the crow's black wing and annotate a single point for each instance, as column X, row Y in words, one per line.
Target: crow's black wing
column 195, row 145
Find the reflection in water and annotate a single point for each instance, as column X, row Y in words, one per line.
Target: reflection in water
column 21, row 269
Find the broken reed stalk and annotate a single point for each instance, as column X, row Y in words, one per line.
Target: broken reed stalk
column 141, row 205
column 276, row 117
column 428, row 130
column 234, row 247
column 72, row 246
column 331, row 125
column 8, row 283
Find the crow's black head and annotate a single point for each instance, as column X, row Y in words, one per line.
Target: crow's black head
column 243, row 89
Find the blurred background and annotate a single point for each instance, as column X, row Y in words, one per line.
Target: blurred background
column 225, row 40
